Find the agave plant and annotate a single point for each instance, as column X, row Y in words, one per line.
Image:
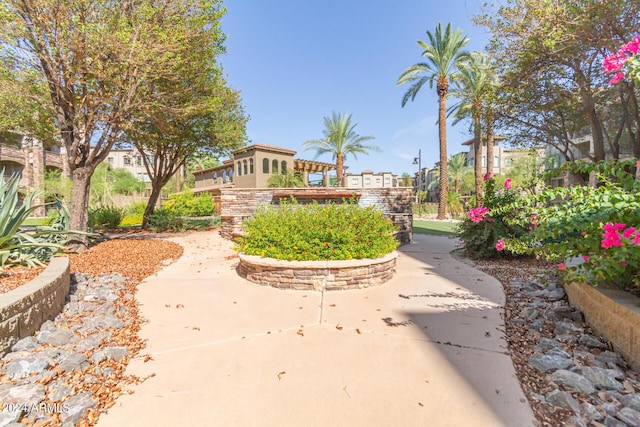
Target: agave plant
column 19, row 246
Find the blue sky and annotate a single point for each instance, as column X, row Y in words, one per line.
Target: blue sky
column 295, row 61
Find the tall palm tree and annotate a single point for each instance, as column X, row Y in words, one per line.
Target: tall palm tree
column 472, row 90
column 457, row 169
column 444, row 53
column 339, row 140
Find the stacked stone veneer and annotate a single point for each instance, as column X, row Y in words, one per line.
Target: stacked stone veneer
column 613, row 313
column 317, row 275
column 238, row 204
column 25, row 309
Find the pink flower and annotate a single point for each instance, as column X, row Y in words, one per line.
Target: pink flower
column 585, row 257
column 638, row 164
column 628, row 232
column 616, row 77
column 623, row 264
column 500, row 245
column 478, row 214
column 561, row 266
column 584, row 233
column 611, row 235
column 487, row 176
column 507, row 184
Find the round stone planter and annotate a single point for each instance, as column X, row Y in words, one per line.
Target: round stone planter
column 318, row 275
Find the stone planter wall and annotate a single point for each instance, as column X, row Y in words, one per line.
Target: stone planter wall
column 613, row 313
column 238, row 204
column 317, row 275
column 25, row 309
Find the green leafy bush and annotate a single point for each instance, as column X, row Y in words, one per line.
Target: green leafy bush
column 593, row 227
column 136, row 208
column 292, row 231
column 163, row 220
column 485, row 225
column 107, row 216
column 187, row 204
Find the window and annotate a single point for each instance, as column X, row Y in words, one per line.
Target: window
column 110, row 160
column 239, row 168
column 283, row 167
column 355, row 181
column 224, row 177
column 496, row 161
column 251, row 166
column 508, row 161
column 265, row 165
column 484, row 161
column 230, row 173
column 367, row 181
column 244, row 166
column 215, row 177
column 387, row 181
column 138, row 160
column 471, row 161
column 274, row 166
column 127, row 160
column 377, row 180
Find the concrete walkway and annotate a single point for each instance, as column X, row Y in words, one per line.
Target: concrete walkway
column 425, row 349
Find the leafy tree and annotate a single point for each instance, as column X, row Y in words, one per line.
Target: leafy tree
column 445, row 54
column 457, row 169
column 549, row 57
column 288, row 179
column 90, row 68
column 57, row 187
column 340, row 140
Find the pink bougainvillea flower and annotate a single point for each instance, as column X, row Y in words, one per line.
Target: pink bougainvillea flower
column 611, row 235
column 561, row 266
column 584, row 233
column 628, row 233
column 500, row 245
column 585, row 257
column 623, row 264
column 616, row 77
column 478, row 214
column 487, row 176
column 638, row 164
column 507, row 183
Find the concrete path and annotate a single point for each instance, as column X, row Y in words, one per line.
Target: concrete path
column 425, row 349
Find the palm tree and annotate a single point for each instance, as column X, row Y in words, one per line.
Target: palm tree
column 472, row 90
column 444, row 53
column 340, row 139
column 406, row 180
column 457, row 169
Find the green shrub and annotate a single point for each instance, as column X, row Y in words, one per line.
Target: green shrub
column 187, row 204
column 131, row 219
column 136, row 208
column 108, row 216
column 313, row 232
column 163, row 220
column 598, row 228
column 485, row 225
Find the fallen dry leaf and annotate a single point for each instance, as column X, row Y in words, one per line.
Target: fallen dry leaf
column 281, row 374
column 338, row 327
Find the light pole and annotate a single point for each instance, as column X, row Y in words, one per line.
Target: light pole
column 418, row 161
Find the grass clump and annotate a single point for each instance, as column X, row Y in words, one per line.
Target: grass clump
column 311, row 232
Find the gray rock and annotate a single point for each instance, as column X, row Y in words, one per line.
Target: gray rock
column 567, row 338
column 78, row 405
column 573, row 381
column 575, row 421
column 555, row 294
column 26, row 344
column 610, row 408
column 608, row 357
column 546, row 344
column 21, row 368
column 609, row 421
column 537, row 325
column 60, row 391
column 563, row 399
column 10, row 418
column 28, row 394
column 56, row 337
column 91, row 342
column 591, row 341
column 116, row 353
column 107, row 321
column 48, row 326
column 547, row 363
column 73, row 361
column 632, row 401
column 568, row 328
column 601, row 378
column 590, row 412
column 629, row 416
column 556, row 351
column 530, row 313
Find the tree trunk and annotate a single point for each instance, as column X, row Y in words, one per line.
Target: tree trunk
column 490, row 142
column 477, row 151
column 442, row 134
column 79, row 210
column 151, row 205
column 339, row 168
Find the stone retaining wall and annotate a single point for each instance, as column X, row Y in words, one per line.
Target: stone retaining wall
column 317, row 275
column 238, row 204
column 25, row 309
column 613, row 313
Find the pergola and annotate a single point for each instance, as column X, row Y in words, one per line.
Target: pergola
column 311, row 166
